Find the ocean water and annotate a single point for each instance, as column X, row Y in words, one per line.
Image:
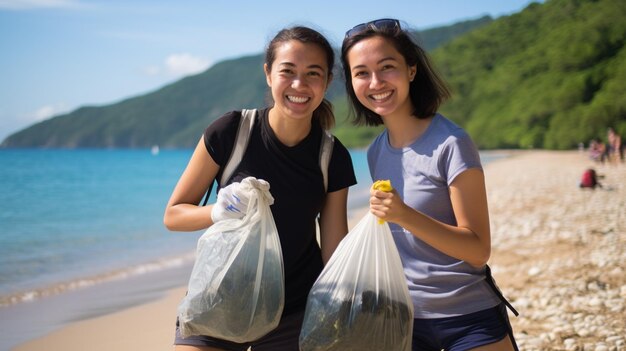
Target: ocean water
column 75, row 217
column 78, row 222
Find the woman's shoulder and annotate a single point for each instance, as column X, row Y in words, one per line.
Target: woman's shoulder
column 448, row 125
column 225, row 122
column 379, row 139
column 447, row 131
column 450, row 137
column 220, row 135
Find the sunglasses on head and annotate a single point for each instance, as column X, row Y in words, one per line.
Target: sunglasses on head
column 379, row 24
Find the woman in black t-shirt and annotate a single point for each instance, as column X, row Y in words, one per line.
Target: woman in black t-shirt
column 283, row 149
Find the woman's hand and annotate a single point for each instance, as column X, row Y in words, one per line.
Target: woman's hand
column 232, row 203
column 233, row 200
column 387, row 205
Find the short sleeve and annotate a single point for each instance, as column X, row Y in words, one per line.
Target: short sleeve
column 340, row 170
column 219, row 136
column 460, row 154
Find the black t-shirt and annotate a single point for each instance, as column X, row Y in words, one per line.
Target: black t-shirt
column 297, row 185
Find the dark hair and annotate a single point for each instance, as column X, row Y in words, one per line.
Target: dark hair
column 324, row 112
column 427, row 91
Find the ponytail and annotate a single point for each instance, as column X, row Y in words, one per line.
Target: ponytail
column 324, row 115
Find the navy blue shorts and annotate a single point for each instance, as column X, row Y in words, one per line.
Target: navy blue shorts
column 462, row 332
column 284, row 337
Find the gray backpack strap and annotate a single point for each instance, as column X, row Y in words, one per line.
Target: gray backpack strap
column 326, row 151
column 241, row 143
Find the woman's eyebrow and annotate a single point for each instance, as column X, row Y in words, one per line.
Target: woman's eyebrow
column 291, row 64
column 378, row 63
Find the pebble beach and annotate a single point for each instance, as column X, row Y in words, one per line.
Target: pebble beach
column 557, row 256
column 558, row 250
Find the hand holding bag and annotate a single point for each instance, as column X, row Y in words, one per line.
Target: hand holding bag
column 361, row 300
column 236, row 288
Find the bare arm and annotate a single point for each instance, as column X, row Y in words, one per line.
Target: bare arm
column 333, row 222
column 469, row 241
column 182, row 212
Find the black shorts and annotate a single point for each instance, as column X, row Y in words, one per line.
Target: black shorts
column 462, row 332
column 284, row 337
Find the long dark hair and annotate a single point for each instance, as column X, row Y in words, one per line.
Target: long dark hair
column 324, row 112
column 427, row 91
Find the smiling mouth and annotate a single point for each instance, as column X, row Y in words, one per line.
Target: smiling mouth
column 381, row 96
column 298, row 99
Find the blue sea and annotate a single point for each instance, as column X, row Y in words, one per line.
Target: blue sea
column 81, row 234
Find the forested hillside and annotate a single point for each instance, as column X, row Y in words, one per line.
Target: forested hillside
column 172, row 116
column 549, row 77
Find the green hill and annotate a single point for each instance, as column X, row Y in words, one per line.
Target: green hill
column 172, row 116
column 550, row 76
column 176, row 115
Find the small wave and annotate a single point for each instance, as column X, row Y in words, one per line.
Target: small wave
column 149, row 267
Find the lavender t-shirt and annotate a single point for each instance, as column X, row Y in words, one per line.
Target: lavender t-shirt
column 439, row 285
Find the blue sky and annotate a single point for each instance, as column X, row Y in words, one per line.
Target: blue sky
column 58, row 55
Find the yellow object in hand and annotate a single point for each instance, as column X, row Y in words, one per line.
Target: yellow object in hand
column 382, row 185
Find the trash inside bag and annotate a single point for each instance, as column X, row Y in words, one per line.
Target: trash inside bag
column 236, row 287
column 361, row 300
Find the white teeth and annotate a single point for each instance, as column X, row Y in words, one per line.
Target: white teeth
column 297, row 99
column 381, row 96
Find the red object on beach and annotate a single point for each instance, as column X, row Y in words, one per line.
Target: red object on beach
column 589, row 179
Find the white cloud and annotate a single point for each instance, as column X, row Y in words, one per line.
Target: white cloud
column 178, row 65
column 48, row 111
column 152, row 70
column 185, row 64
column 38, row 4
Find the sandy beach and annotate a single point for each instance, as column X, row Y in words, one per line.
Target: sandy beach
column 557, row 254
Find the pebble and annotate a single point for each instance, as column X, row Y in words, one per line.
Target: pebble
column 534, row 271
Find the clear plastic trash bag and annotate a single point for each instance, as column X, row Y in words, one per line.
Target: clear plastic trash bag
column 236, row 287
column 361, row 300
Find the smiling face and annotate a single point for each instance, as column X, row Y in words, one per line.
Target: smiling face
column 298, row 79
column 381, row 77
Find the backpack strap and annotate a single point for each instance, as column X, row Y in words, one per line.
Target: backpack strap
column 326, row 151
column 239, row 148
column 496, row 290
column 241, row 143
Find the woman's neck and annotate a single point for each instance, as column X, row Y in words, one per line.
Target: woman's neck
column 289, row 131
column 405, row 130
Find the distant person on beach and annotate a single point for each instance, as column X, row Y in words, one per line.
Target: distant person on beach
column 614, row 149
column 597, row 150
column 284, row 151
column 438, row 211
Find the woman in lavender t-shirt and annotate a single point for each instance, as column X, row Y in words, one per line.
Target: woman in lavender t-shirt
column 438, row 210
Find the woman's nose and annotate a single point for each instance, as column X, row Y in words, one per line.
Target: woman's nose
column 376, row 81
column 298, row 82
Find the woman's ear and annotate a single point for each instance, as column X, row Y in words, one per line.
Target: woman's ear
column 330, row 79
column 268, row 75
column 412, row 72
